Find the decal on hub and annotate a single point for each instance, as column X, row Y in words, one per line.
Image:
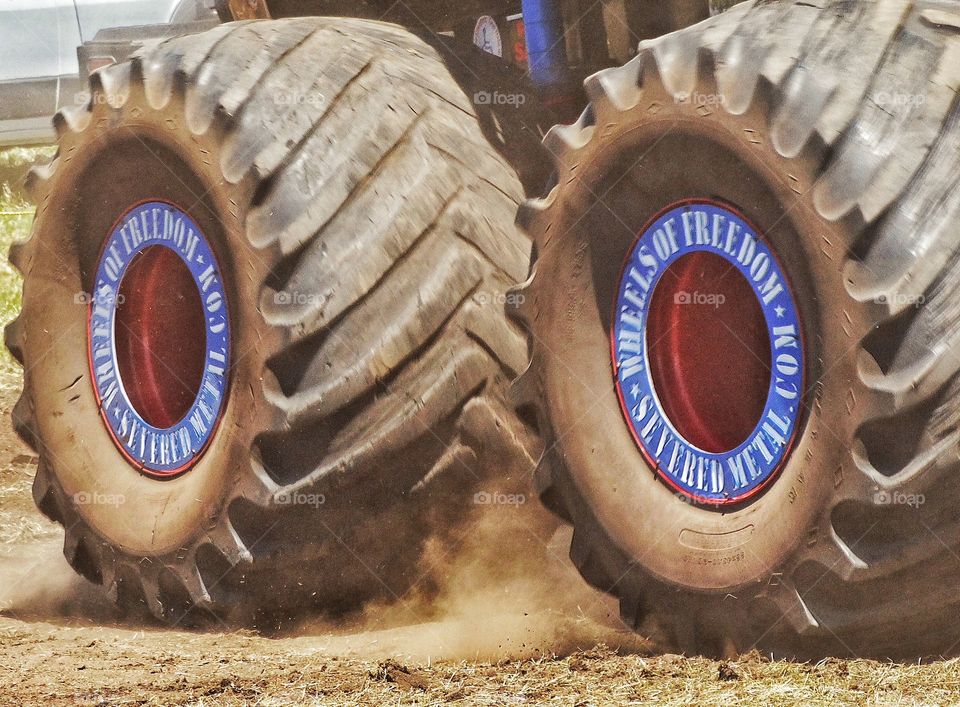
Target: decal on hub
column 159, row 338
column 709, row 258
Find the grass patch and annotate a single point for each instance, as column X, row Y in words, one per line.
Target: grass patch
column 14, row 165
column 16, row 216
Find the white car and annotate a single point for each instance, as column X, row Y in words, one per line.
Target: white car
column 39, row 67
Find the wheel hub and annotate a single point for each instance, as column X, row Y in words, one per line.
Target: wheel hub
column 159, row 339
column 707, row 353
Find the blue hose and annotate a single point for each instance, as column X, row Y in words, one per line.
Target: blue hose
column 543, row 23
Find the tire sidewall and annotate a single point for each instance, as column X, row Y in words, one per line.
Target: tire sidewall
column 609, row 480
column 112, row 497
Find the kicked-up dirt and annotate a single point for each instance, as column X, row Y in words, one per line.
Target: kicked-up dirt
column 540, row 637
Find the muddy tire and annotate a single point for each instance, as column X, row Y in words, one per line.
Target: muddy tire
column 809, row 508
column 286, row 421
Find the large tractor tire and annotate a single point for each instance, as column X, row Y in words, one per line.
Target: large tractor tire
column 744, row 314
column 262, row 332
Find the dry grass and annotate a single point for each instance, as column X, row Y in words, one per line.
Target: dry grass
column 115, row 666
column 19, row 522
column 16, row 215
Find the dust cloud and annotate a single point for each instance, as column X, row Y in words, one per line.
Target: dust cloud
column 507, row 591
column 510, row 591
column 37, row 583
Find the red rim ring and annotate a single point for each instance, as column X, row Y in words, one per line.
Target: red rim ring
column 160, row 336
column 708, row 351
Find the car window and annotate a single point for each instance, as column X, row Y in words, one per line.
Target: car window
column 95, row 15
column 38, row 39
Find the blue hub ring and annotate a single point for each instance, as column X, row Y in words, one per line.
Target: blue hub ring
column 170, row 450
column 734, row 475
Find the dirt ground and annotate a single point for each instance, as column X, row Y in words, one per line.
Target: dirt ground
column 61, row 645
column 537, row 638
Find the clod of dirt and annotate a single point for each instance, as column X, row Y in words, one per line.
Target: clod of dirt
column 727, row 671
column 401, row 675
column 584, row 661
column 754, row 656
column 669, row 665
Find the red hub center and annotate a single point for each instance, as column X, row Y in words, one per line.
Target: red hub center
column 160, row 336
column 709, row 351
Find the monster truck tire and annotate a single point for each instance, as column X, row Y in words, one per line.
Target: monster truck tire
column 832, row 134
column 350, row 393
